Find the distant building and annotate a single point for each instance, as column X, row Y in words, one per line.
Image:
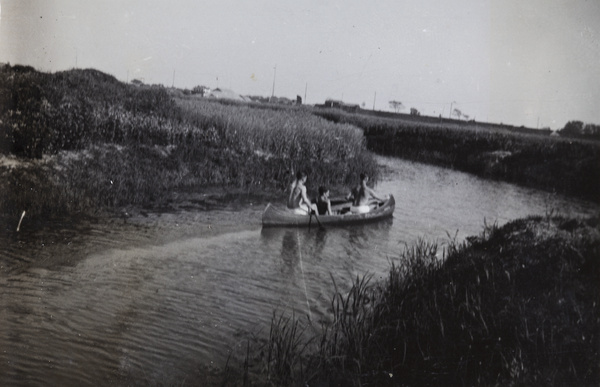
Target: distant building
column 225, row 94
column 335, row 104
column 201, row 90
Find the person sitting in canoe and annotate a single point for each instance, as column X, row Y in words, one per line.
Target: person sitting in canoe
column 298, row 201
column 361, row 195
column 323, row 202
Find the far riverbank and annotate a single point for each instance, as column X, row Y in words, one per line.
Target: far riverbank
column 537, row 160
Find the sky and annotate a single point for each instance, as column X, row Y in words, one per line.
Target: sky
column 534, row 63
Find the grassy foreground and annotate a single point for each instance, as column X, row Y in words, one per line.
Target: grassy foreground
column 518, row 305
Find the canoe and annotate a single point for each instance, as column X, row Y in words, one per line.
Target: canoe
column 280, row 216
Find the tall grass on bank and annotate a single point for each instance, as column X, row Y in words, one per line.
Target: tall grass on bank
column 516, row 306
column 285, row 140
column 42, row 114
column 550, row 163
column 98, row 178
column 103, row 143
column 285, row 349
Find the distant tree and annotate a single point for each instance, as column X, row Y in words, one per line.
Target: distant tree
column 396, row 105
column 22, row 69
column 137, row 82
column 414, row 112
column 572, row 129
column 591, row 130
column 457, row 113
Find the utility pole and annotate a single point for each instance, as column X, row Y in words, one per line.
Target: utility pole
column 305, row 89
column 173, row 84
column 374, row 98
column 450, row 114
column 274, row 74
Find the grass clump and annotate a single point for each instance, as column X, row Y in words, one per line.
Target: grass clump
column 285, row 349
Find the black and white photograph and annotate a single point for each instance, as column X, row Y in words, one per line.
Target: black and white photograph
column 299, row 193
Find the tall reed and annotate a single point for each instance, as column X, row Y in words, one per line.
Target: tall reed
column 285, row 349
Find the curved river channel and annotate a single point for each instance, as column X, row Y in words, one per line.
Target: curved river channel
column 165, row 298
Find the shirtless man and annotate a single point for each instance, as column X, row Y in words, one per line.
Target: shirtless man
column 361, row 195
column 298, row 201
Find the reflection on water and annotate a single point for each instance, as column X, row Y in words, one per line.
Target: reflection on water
column 162, row 300
column 290, row 250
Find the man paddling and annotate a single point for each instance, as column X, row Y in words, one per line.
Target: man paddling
column 361, row 195
column 298, row 200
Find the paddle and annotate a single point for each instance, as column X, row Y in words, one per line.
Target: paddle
column 313, row 212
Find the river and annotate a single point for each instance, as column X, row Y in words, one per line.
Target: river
column 165, row 297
